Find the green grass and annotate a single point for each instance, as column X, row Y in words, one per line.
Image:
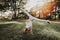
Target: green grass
column 41, row 31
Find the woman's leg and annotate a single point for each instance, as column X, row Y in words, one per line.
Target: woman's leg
column 25, row 29
column 30, row 29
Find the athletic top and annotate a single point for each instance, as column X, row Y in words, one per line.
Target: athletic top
column 28, row 24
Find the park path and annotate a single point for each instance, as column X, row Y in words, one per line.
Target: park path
column 10, row 22
column 16, row 22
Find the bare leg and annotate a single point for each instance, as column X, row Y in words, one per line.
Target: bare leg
column 30, row 30
column 26, row 29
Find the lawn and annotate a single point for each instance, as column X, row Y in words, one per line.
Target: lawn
column 13, row 30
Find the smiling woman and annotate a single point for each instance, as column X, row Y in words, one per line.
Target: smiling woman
column 40, row 8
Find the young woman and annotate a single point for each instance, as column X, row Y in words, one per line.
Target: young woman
column 28, row 26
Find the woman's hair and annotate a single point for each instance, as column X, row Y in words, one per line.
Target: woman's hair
column 27, row 17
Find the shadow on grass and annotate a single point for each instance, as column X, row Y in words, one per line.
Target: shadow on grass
column 10, row 34
column 14, row 32
column 37, row 36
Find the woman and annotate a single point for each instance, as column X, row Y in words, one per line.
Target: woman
column 28, row 26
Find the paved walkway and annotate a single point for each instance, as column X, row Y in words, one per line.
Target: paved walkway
column 15, row 22
column 11, row 22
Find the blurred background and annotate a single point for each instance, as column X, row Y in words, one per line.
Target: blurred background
column 10, row 9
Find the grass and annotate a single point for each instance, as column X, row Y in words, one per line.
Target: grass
column 41, row 31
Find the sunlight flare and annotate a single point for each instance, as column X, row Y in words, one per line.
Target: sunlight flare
column 40, row 7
